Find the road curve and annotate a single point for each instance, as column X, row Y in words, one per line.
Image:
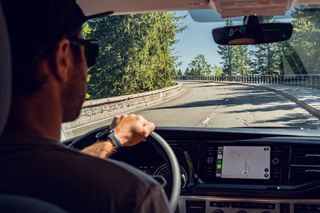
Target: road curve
column 222, row 105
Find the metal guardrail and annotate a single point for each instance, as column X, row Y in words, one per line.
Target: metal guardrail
column 310, row 81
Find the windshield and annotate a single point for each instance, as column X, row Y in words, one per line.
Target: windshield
column 166, row 67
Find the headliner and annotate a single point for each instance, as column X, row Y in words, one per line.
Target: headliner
column 226, row 8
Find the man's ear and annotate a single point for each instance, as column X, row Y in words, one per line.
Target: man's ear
column 63, row 60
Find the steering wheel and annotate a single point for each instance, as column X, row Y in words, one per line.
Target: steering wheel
column 162, row 148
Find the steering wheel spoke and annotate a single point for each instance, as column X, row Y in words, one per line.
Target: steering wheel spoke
column 160, row 179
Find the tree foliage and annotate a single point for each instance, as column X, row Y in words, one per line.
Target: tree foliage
column 305, row 42
column 135, row 54
column 267, row 59
column 217, row 71
column 199, row 67
column 235, row 59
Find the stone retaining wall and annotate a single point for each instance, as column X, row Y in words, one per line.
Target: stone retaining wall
column 95, row 113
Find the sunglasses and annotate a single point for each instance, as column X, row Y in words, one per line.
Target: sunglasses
column 91, row 47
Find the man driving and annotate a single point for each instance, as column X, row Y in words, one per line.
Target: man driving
column 50, row 63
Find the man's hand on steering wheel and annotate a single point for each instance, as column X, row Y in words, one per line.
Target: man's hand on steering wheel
column 132, row 130
column 129, row 129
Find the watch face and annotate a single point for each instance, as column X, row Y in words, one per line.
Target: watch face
column 103, row 133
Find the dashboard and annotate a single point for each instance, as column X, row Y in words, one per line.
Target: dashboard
column 236, row 171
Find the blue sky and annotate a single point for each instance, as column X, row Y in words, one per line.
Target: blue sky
column 196, row 39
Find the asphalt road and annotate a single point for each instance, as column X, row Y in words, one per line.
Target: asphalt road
column 222, row 105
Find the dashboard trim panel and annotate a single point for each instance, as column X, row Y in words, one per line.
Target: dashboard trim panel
column 277, row 202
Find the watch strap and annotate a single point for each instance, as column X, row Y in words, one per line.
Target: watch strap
column 114, row 139
column 109, row 134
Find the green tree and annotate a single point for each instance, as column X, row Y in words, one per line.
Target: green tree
column 304, row 46
column 267, row 59
column 199, row 67
column 241, row 61
column 235, row 59
column 218, row 71
column 226, row 53
column 135, row 54
column 177, row 72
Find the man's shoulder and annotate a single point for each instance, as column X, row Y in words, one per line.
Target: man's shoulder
column 52, row 169
column 33, row 152
column 130, row 185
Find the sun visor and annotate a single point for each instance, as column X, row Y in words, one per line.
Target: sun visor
column 235, row 8
column 119, row 7
column 213, row 16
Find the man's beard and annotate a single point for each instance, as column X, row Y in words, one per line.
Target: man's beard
column 74, row 94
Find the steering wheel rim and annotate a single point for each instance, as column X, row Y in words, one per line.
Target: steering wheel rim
column 161, row 146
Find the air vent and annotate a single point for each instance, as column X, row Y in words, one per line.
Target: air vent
column 301, row 175
column 305, row 165
column 305, row 156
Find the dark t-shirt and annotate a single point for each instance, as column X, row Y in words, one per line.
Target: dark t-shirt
column 47, row 170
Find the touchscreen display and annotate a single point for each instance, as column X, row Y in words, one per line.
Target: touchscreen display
column 243, row 162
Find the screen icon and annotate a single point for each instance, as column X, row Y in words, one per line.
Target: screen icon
column 219, row 166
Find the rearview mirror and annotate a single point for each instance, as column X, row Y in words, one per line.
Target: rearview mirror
column 252, row 34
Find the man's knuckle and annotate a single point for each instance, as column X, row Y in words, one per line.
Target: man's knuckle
column 145, row 133
column 152, row 126
column 132, row 116
column 139, row 128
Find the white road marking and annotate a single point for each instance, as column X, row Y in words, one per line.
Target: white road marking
column 205, row 122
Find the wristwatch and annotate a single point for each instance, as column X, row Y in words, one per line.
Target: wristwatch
column 109, row 134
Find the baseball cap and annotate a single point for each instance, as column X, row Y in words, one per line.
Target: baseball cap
column 35, row 25
column 34, row 22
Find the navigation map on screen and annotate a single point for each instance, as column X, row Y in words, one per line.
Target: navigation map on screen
column 243, row 162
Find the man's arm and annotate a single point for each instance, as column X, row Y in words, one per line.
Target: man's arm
column 129, row 129
column 101, row 149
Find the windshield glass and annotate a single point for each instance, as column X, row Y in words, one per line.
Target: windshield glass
column 166, row 67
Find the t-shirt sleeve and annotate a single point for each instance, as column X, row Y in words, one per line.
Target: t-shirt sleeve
column 154, row 201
